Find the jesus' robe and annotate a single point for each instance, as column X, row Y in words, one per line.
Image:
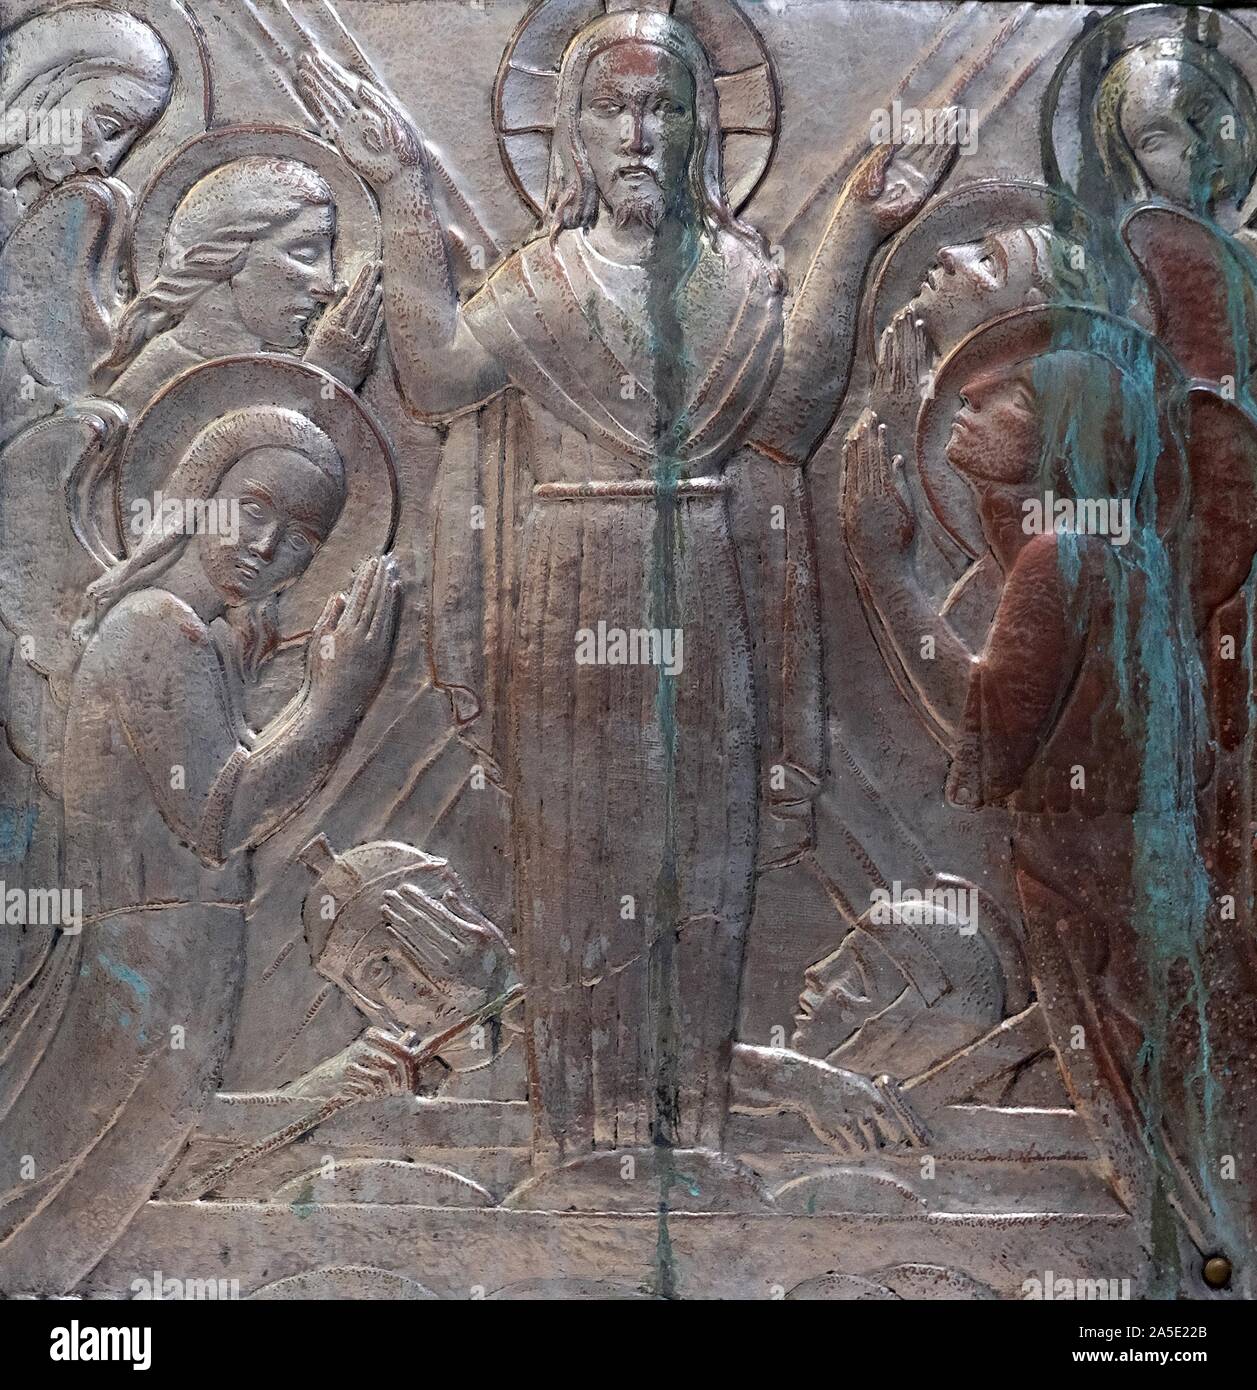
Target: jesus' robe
column 616, row 480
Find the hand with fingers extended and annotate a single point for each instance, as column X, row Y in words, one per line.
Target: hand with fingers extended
column 876, row 511
column 856, row 1114
column 464, row 956
column 352, row 641
column 903, row 357
column 344, row 341
column 894, row 181
column 380, row 1063
column 375, row 136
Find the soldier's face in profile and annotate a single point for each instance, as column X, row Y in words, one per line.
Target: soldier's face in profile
column 284, row 507
column 287, row 276
column 974, row 281
column 995, row 435
column 840, row 992
column 637, row 126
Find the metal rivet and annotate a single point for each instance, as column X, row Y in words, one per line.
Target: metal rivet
column 1217, row 1271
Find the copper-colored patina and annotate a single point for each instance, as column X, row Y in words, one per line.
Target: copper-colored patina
column 614, row 612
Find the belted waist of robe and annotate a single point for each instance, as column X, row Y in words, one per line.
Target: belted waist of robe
column 475, row 574
column 635, row 488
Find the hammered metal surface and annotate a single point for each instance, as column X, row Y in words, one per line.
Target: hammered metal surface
column 626, row 649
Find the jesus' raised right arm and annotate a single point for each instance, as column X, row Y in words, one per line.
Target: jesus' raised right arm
column 440, row 365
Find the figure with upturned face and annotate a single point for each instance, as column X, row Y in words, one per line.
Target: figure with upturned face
column 971, row 282
column 1031, row 246
column 1081, row 718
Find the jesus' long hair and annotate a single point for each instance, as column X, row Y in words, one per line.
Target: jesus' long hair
column 572, row 194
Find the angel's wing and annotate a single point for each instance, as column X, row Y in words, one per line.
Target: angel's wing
column 52, row 475
column 59, row 292
column 53, row 543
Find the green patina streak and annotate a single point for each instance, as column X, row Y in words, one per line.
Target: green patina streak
column 303, row 1204
column 669, row 355
column 1157, row 667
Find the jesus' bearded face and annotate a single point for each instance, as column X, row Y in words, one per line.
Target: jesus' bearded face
column 637, row 125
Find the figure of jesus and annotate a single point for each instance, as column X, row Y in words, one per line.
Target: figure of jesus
column 648, row 394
